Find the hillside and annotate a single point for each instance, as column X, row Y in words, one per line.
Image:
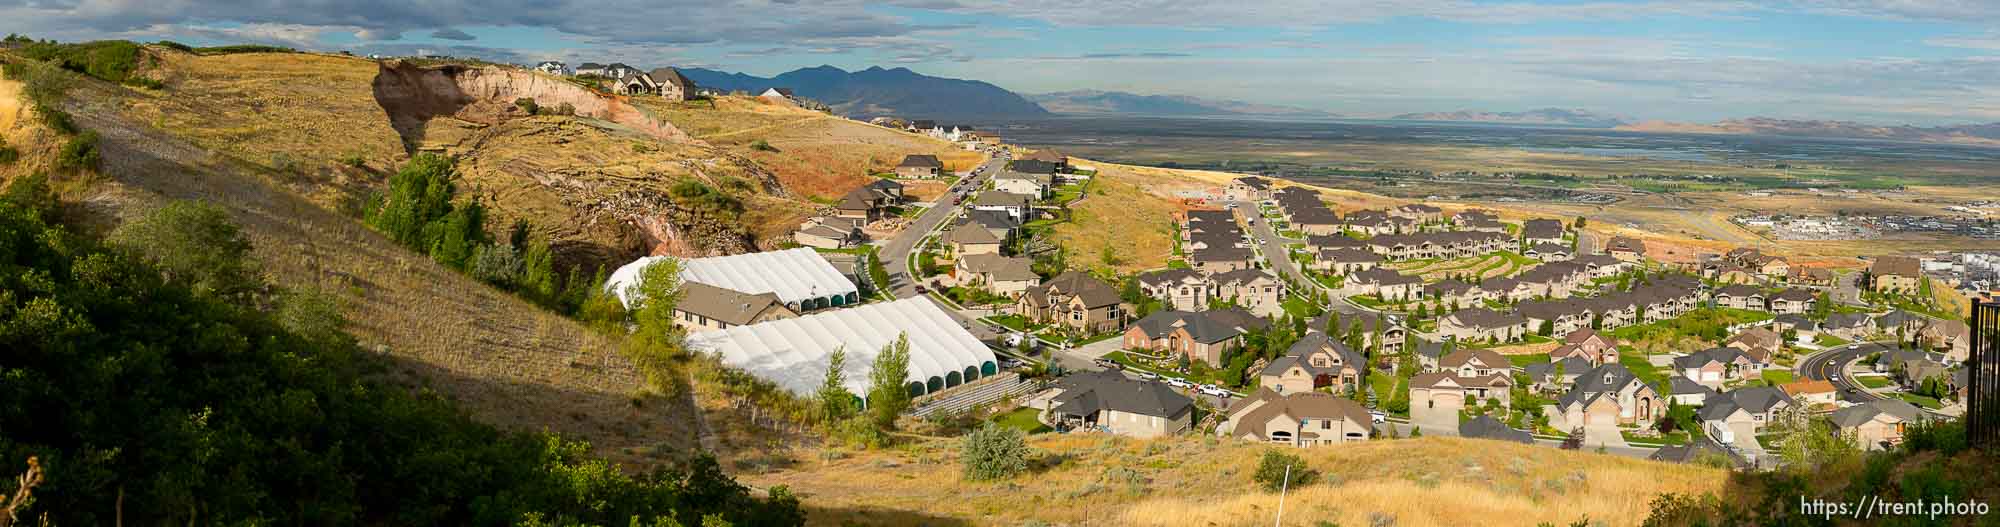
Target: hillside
column 1976, row 134
column 1114, row 102
column 877, row 92
column 1561, row 116
column 1106, row 480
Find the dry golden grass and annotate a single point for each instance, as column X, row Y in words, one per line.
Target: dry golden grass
column 270, row 108
column 1130, row 210
column 1196, row 481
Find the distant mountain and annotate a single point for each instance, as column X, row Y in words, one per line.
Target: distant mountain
column 877, row 92
column 1541, row 116
column 1114, row 102
column 1975, row 134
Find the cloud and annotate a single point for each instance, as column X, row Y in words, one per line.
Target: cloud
column 1323, row 13
column 452, row 34
column 1959, row 11
column 1989, row 41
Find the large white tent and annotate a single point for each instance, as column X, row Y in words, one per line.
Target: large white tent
column 801, row 278
column 793, row 352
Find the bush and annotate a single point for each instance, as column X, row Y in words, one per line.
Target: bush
column 79, row 153
column 9, row 154
column 1272, row 470
column 762, row 146
column 195, row 245
column 169, row 44
column 110, row 60
column 993, row 452
column 527, row 105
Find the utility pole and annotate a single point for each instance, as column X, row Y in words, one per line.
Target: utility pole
column 1283, row 486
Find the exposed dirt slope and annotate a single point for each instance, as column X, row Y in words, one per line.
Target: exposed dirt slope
column 413, row 95
column 506, row 361
column 813, row 154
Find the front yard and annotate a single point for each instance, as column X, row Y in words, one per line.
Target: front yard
column 1022, row 419
column 1776, row 376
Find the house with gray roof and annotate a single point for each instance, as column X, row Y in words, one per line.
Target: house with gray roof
column 1608, row 395
column 1301, row 419
column 1737, row 416
column 1685, row 391
column 1313, row 363
column 1107, row 401
column 1701, row 451
column 1193, row 334
column 1542, row 230
column 1486, row 427
column 1877, row 424
column 1715, row 366
column 1482, row 325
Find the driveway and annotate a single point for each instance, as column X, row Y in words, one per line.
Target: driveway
column 1607, row 436
column 1438, row 423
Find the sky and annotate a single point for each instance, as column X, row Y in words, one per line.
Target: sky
column 1923, row 62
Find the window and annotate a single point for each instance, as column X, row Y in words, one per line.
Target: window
column 1326, row 424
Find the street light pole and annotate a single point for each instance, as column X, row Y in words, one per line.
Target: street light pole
column 1283, row 486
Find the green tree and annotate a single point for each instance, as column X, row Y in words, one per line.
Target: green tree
column 993, row 452
column 888, row 391
column 835, row 402
column 194, row 244
column 652, row 302
column 1279, row 469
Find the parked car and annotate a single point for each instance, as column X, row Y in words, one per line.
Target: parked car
column 1215, row 391
column 1108, row 364
column 1178, row 383
column 921, row 290
column 1378, row 417
column 1147, row 375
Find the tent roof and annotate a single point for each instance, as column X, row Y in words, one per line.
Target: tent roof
column 793, row 274
column 793, row 352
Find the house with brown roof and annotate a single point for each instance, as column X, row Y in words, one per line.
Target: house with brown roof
column 1714, row 367
column 1073, row 300
column 1595, row 347
column 1812, row 276
column 1454, row 292
column 672, row 85
column 1760, row 344
column 1052, row 157
column 920, row 166
column 1558, row 317
column 1896, row 273
column 1000, row 275
column 1740, row 297
column 1299, row 419
column 1475, row 362
column 1314, row 362
column 1952, row 337
column 862, row 205
column 1482, row 325
column 1385, row 284
column 828, row 233
column 1792, row 302
column 1221, row 259
column 1257, row 290
column 1626, row 249
column 1439, row 395
column 1177, row 289
column 1195, row 335
column 1419, row 212
column 1877, row 424
column 1542, row 230
column 704, row 307
column 1605, row 396
column 1344, row 261
column 1248, row 188
column 1812, row 394
column 970, row 239
column 1549, row 252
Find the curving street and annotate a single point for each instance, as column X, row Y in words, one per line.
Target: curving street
column 1831, row 365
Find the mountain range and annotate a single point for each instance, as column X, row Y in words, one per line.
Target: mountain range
column 877, row 92
column 1573, row 117
column 1123, row 103
column 1974, row 134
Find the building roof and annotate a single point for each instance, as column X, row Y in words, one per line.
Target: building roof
column 1349, row 255
column 1032, row 166
column 1239, row 318
column 1093, row 292
column 1299, row 407
column 792, row 352
column 1598, row 382
column 995, row 198
column 1315, row 342
column 1740, row 291
column 966, row 233
column 920, row 161
column 991, row 219
column 1089, row 392
column 1699, row 358
column 1896, row 266
column 1242, row 276
column 1681, row 385
column 1487, row 357
column 674, row 77
column 1480, row 317
column 1048, row 155
column 1858, row 414
column 732, row 307
column 1805, row 387
column 1486, row 427
column 1542, row 228
column 1383, row 276
column 1794, row 295
column 1254, row 182
column 1846, row 321
column 1002, row 268
column 795, row 275
column 1169, row 276
column 1549, row 248
column 1220, row 254
column 1200, row 326
column 1695, row 450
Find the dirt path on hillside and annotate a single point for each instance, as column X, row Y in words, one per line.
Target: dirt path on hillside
column 765, row 127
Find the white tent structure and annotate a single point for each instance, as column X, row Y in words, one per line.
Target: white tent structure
column 801, row 278
column 793, row 352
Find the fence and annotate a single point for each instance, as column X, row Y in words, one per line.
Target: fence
column 1982, row 416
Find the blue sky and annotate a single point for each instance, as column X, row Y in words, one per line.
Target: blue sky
column 1878, row 61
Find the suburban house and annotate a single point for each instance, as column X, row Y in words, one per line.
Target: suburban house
column 1542, row 230
column 1376, row 332
column 1760, row 344
column 1812, row 394
column 1453, row 292
column 1626, row 249
column 1020, row 207
column 1385, row 284
column 1699, row 451
column 1109, row 402
column 1073, row 300
column 1953, row 337
column 1032, row 166
column 1735, row 417
column 997, row 222
column 1193, row 334
column 1052, row 157
column 1478, row 220
column 1550, row 318
column 920, row 166
column 1685, row 391
column 1472, row 362
column 1318, row 243
column 890, row 192
column 1549, row 252
column 1486, row 427
column 1000, row 275
column 1552, row 377
column 672, row 85
column 1314, row 362
column 1177, row 289
column 1221, row 259
column 1037, row 185
column 1299, row 419
column 1714, row 366
column 1849, row 326
column 552, row 67
column 1608, row 395
column 1257, row 290
column 828, row 233
column 1419, row 212
column 1482, row 325
column 704, row 307
column 1345, row 261
column 1792, row 302
column 1595, row 347
column 1248, row 188
column 1878, row 424
column 1812, row 276
column 1740, row 297
column 862, row 205
column 1896, row 273
column 1442, row 394
column 1320, row 221
column 969, row 239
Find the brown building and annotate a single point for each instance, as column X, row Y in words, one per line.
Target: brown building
column 920, row 166
column 1299, row 419
column 1073, row 300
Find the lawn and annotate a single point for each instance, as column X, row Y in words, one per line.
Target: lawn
column 1828, row 341
column 1532, row 358
column 1299, row 307
column 1367, row 301
column 1678, row 437
column 1646, row 371
column 1874, row 381
column 1919, row 400
column 1383, row 384
column 1777, row 376
column 1013, row 322
column 1022, row 419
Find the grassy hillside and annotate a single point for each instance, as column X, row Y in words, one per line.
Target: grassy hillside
column 1102, row 480
column 1129, row 210
column 813, row 154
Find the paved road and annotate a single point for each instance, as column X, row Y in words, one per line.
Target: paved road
column 1273, row 247
column 1831, row 364
column 895, row 253
column 1847, row 289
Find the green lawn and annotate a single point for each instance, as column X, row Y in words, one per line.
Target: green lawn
column 1920, row 400
column 1383, row 384
column 1646, row 371
column 1776, row 376
column 1299, row 307
column 1524, row 360
column 1829, row 341
column 1013, row 322
column 1874, row 381
column 1022, row 419
column 1678, row 437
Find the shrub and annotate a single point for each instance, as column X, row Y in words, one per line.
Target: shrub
column 527, row 105
column 80, row 153
column 169, row 44
column 110, row 60
column 9, row 154
column 993, row 452
column 56, row 120
column 762, row 146
column 1272, row 471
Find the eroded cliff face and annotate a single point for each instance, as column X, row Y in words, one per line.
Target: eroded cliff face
column 414, row 95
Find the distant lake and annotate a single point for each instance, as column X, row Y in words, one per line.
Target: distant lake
column 1121, row 138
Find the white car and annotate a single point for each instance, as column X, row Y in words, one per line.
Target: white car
column 1215, row 391
column 1378, row 417
column 1178, row 383
column 1147, row 375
